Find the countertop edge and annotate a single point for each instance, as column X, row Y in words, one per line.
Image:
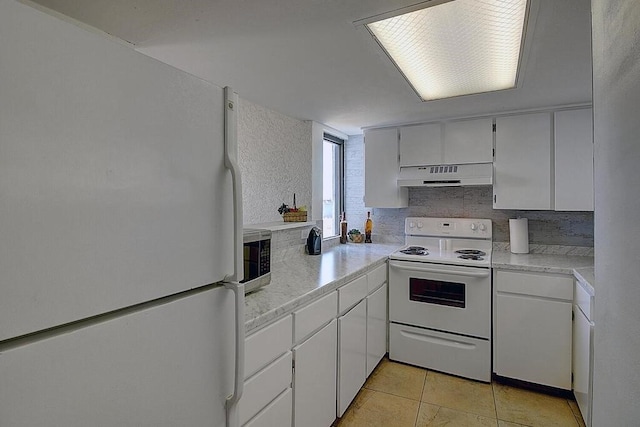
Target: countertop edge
column 581, row 269
column 257, row 323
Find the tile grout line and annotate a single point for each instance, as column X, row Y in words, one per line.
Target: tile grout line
column 426, row 372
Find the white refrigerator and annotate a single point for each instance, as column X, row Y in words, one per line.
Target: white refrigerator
column 120, row 234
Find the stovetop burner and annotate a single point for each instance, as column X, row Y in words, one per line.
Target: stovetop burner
column 415, row 250
column 472, row 257
column 476, row 252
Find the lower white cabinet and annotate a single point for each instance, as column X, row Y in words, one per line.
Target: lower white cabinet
column 277, row 413
column 314, row 384
column 376, row 327
column 264, row 387
column 583, row 351
column 352, row 348
column 533, row 327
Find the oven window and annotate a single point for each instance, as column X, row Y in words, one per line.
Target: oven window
column 451, row 294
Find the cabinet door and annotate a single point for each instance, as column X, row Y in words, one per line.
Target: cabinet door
column 352, row 348
column 314, row 384
column 582, row 363
column 533, row 340
column 381, row 169
column 421, row 145
column 574, row 160
column 522, row 164
column 468, row 141
column 376, row 327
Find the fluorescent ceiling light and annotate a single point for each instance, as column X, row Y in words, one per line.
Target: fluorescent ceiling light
column 455, row 48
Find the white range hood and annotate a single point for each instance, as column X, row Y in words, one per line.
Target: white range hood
column 446, row 175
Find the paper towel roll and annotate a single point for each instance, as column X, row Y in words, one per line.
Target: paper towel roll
column 519, row 235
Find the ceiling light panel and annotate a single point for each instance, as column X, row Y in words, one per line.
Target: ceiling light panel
column 456, row 48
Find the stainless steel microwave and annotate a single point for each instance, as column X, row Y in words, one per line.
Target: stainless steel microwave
column 257, row 259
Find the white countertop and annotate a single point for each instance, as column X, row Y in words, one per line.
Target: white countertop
column 544, row 263
column 579, row 266
column 299, row 278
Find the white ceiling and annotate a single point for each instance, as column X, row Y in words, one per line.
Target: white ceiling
column 306, row 59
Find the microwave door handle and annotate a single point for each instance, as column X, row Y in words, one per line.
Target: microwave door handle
column 460, row 272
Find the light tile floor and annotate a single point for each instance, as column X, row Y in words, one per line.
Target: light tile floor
column 398, row 395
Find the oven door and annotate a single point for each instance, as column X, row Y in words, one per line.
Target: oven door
column 442, row 297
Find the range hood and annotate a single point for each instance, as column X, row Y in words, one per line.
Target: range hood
column 446, row 175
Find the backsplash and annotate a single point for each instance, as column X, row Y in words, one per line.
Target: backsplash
column 274, row 153
column 285, row 241
column 545, row 227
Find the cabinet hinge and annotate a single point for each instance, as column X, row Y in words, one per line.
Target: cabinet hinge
column 293, row 366
column 494, row 127
column 495, row 198
column 573, row 315
column 493, row 153
column 572, row 378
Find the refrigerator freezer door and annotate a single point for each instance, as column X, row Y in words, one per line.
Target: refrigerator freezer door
column 165, row 366
column 113, row 187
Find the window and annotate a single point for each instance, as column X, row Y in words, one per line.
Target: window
column 332, row 184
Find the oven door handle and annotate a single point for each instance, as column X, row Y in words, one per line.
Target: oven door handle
column 448, row 270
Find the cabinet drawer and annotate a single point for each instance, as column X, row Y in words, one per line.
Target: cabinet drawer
column 277, row 413
column 267, row 345
column 264, row 387
column 352, row 293
column 314, row 316
column 376, row 278
column 540, row 285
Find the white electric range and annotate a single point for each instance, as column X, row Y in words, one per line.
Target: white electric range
column 440, row 296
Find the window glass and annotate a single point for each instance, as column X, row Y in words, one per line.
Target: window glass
column 332, row 184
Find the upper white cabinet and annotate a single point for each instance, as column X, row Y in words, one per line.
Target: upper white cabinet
column 574, row 160
column 381, row 169
column 522, row 163
column 461, row 141
column 468, row 141
column 421, row 145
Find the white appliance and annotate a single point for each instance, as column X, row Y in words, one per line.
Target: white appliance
column 446, row 175
column 440, row 296
column 121, row 225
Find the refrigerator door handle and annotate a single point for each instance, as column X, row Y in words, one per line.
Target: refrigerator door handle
column 231, row 162
column 233, row 282
column 238, row 383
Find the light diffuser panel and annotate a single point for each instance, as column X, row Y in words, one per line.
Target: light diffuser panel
column 456, row 48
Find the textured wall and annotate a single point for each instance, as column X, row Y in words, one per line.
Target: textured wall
column 354, row 182
column 275, row 160
column 545, row 227
column 616, row 96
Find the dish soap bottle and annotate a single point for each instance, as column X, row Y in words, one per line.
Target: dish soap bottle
column 368, row 227
column 343, row 228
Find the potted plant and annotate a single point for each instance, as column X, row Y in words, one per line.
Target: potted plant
column 355, row 235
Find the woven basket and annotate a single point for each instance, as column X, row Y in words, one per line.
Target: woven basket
column 295, row 216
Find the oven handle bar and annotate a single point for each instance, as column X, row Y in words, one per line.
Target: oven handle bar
column 448, row 270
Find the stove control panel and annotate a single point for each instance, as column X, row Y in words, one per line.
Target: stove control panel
column 453, row 227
